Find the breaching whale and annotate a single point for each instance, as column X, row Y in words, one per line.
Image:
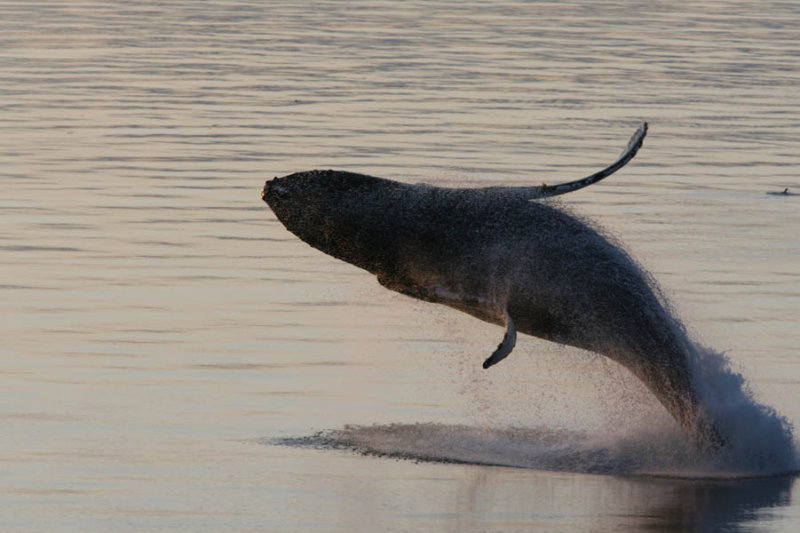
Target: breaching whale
column 498, row 254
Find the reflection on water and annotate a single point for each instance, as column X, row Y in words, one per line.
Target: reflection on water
column 650, row 504
column 723, row 506
column 365, row 491
column 156, row 318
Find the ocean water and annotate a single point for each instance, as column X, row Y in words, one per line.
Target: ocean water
column 173, row 359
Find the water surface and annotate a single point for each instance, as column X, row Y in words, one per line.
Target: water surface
column 161, row 329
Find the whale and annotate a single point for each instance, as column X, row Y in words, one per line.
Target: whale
column 509, row 256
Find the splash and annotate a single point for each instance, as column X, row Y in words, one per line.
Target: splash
column 760, row 440
column 534, row 448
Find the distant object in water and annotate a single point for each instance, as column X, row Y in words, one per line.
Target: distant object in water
column 785, row 192
column 495, row 254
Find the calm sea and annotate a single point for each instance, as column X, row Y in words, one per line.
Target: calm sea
column 172, row 359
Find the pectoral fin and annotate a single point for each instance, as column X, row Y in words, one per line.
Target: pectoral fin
column 505, row 347
column 562, row 188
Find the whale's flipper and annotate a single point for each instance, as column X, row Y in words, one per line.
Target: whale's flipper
column 505, row 347
column 546, row 191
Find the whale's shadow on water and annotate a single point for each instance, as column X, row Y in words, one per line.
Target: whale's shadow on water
column 660, row 481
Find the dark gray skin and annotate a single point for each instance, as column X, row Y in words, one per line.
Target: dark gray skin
column 495, row 254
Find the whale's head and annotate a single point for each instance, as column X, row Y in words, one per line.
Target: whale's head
column 304, row 202
column 286, row 195
column 309, row 202
column 334, row 211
